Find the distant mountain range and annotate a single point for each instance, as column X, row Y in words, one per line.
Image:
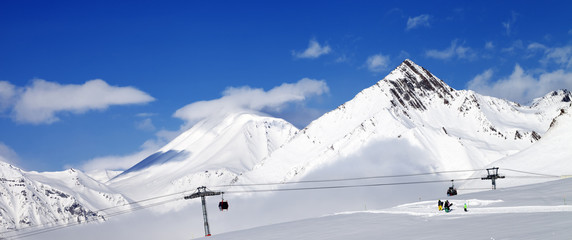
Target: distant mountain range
column 409, row 111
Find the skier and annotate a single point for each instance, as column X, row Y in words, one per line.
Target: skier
column 440, row 205
column 465, row 207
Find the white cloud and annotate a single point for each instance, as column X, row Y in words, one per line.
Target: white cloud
column 7, row 94
column 536, row 46
column 489, row 45
column 558, row 55
column 515, row 46
column 40, row 102
column 145, row 114
column 314, row 50
column 7, row 154
column 506, row 26
column 520, row 86
column 145, row 125
column 481, row 80
column 455, row 50
column 561, row 55
column 342, row 58
column 377, row 63
column 253, row 99
column 421, row 20
column 509, row 23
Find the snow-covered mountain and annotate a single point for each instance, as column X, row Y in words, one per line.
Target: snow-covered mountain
column 410, row 108
column 29, row 199
column 214, row 151
column 451, row 129
column 408, row 122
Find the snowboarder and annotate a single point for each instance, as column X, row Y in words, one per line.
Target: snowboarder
column 440, row 205
column 448, row 206
column 465, row 207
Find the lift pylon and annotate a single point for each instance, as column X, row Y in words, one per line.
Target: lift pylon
column 492, row 174
column 202, row 192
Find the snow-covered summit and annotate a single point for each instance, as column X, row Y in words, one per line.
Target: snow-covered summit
column 553, row 98
column 454, row 129
column 227, row 146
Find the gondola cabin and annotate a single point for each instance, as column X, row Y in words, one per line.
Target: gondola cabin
column 451, row 191
column 223, row 205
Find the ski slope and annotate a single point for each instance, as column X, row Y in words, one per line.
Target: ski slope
column 540, row 211
column 529, row 212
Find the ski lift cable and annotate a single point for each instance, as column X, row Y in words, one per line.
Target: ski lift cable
column 532, row 173
column 348, row 179
column 344, row 186
column 533, row 177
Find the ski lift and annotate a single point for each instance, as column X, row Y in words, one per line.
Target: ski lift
column 223, row 205
column 452, row 191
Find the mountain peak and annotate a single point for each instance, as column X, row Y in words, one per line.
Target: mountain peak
column 560, row 97
column 411, row 82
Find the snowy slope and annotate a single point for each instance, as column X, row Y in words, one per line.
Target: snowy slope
column 549, row 158
column 451, row 129
column 531, row 212
column 214, row 151
column 31, row 198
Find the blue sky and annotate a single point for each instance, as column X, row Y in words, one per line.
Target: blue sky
column 101, row 84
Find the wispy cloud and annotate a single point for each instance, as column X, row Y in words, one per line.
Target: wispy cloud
column 516, row 45
column 520, row 86
column 252, row 99
column 145, row 125
column 42, row 101
column 419, row 21
column 454, row 51
column 558, row 55
column 489, row 45
column 377, row 63
column 7, row 95
column 508, row 25
column 314, row 50
column 143, row 115
column 7, row 154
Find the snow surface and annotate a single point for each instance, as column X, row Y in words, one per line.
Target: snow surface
column 540, row 211
column 531, row 212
